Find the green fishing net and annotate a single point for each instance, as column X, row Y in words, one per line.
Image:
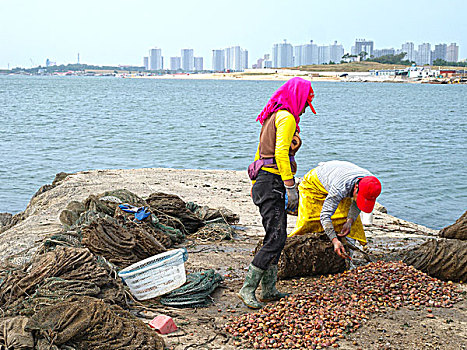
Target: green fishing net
column 195, row 292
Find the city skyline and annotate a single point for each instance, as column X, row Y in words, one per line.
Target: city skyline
column 289, row 55
column 120, row 32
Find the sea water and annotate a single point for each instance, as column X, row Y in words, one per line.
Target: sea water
column 411, row 136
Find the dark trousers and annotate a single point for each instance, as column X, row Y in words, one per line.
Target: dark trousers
column 269, row 196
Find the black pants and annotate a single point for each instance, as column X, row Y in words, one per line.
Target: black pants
column 269, row 196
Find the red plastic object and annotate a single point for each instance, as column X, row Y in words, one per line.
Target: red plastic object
column 163, row 324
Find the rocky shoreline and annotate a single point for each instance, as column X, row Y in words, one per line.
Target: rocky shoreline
column 215, row 188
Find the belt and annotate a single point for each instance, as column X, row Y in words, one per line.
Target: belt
column 268, row 161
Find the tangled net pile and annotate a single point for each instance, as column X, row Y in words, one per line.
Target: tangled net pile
column 68, row 295
column 339, row 304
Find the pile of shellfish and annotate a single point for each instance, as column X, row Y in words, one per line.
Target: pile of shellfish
column 330, row 307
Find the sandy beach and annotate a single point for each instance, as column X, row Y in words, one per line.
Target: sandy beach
column 282, row 74
column 203, row 328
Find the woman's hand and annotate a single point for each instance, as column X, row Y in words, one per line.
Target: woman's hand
column 339, row 249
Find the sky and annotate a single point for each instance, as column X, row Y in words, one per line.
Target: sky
column 121, row 32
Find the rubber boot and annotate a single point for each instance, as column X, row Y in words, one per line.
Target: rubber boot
column 269, row 291
column 247, row 293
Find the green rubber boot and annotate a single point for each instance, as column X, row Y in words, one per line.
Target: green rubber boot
column 247, row 293
column 269, row 291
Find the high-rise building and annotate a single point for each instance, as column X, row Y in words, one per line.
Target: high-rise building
column 282, row 55
column 363, row 45
column 187, row 59
column 336, row 52
column 175, row 63
column 424, row 54
column 311, row 53
column 452, row 53
column 146, row 62
column 218, row 60
column 236, row 58
column 324, row 54
column 306, row 54
column 383, row 52
column 298, row 57
column 198, row 62
column 439, row 52
column 155, row 59
column 409, row 49
column 244, row 59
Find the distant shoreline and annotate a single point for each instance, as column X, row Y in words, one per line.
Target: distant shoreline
column 360, row 77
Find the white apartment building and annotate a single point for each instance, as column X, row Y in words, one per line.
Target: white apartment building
column 324, row 54
column 439, row 52
column 452, row 53
column 198, row 62
column 424, row 54
column 155, row 59
column 336, row 51
column 306, row 54
column 282, row 55
column 187, row 57
column 146, row 62
column 409, row 49
column 175, row 63
column 236, row 59
column 218, row 60
column 383, row 52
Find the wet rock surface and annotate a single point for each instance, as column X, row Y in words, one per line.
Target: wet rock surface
column 5, row 219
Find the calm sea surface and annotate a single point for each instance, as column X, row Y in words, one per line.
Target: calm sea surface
column 413, row 137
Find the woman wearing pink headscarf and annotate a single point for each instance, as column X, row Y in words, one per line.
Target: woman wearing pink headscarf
column 273, row 175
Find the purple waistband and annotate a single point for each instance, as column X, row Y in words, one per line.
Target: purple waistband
column 268, row 161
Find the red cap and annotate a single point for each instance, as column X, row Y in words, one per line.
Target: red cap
column 310, row 98
column 369, row 188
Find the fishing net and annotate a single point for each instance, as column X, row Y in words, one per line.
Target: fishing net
column 445, row 259
column 174, row 206
column 67, row 296
column 88, row 323
column 218, row 223
column 215, row 231
column 101, row 225
column 308, row 255
column 52, row 291
column 13, row 335
column 120, row 245
column 195, row 292
column 458, row 230
column 208, row 214
column 66, row 263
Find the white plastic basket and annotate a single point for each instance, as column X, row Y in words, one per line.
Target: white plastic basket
column 156, row 275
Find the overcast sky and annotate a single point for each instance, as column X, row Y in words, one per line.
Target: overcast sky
column 113, row 32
